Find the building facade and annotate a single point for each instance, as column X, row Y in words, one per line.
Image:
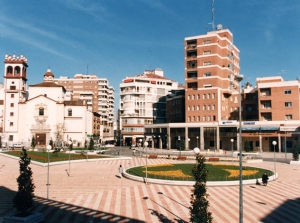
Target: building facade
column 270, row 110
column 42, row 111
column 99, row 96
column 143, row 102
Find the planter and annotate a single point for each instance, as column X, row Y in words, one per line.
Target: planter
column 295, row 162
column 33, row 218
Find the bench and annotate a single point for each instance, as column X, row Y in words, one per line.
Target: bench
column 213, row 159
column 181, row 158
column 152, row 156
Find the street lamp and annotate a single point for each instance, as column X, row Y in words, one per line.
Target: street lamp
column 146, row 144
column 232, row 140
column 49, row 147
column 140, row 150
column 189, row 143
column 196, row 151
column 239, row 79
column 197, row 141
column 274, row 144
column 70, row 143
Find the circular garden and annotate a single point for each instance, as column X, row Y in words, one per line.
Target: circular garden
column 183, row 172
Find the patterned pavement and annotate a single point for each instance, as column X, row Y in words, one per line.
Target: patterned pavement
column 94, row 193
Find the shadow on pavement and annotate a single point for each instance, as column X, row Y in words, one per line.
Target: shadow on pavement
column 55, row 211
column 287, row 212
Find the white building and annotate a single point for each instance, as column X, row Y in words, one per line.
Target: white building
column 41, row 112
column 142, row 102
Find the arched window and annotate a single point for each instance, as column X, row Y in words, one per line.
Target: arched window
column 69, row 112
column 17, row 70
column 9, row 70
column 41, row 111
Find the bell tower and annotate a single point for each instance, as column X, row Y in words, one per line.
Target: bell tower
column 15, row 86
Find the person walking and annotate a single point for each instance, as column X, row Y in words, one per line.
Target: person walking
column 265, row 179
column 120, row 171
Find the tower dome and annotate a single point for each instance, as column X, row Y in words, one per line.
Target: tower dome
column 48, row 76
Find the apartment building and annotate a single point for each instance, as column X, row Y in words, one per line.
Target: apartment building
column 142, row 102
column 211, row 65
column 270, row 110
column 100, row 99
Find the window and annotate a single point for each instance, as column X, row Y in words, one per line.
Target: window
column 204, row 118
column 41, row 111
column 204, row 96
column 12, row 96
column 214, row 95
column 198, row 107
column 213, row 107
column 193, row 97
column 266, row 105
column 189, row 97
column 198, row 96
column 207, row 85
column 288, row 104
column 11, row 138
column 206, row 41
column 69, row 112
column 288, row 91
column 208, row 96
column 206, row 52
column 208, row 74
column 288, row 117
column 11, row 105
column 207, row 63
column 11, row 124
column 11, row 114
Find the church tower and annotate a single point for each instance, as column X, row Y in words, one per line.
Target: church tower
column 15, row 85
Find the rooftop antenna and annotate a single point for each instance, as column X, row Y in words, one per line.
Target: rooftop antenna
column 212, row 15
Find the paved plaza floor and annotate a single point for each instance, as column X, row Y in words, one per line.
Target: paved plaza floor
column 95, row 193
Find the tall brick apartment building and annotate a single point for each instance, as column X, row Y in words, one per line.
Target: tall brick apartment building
column 270, row 111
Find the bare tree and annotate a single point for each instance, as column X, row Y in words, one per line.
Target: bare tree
column 59, row 132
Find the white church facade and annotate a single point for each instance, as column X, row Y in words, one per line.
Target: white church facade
column 42, row 111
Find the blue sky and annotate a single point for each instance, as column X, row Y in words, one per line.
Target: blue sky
column 119, row 38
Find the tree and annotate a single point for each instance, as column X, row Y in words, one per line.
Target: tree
column 33, row 143
column 23, row 200
column 85, row 144
column 247, row 146
column 295, row 151
column 91, row 145
column 199, row 209
column 59, row 132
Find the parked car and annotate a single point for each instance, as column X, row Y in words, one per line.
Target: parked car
column 109, row 146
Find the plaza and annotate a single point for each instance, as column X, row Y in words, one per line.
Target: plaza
column 95, row 193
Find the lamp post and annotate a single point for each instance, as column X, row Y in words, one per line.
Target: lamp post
column 197, row 141
column 141, row 151
column 48, row 184
column 232, row 140
column 179, row 145
column 239, row 79
column 146, row 144
column 196, row 151
column 70, row 143
column 274, row 144
column 189, row 143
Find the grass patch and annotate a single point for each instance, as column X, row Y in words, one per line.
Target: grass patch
column 216, row 172
column 43, row 156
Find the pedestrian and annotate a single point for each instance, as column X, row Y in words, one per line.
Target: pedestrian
column 120, row 171
column 265, row 179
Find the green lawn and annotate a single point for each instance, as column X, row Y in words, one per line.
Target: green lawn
column 184, row 172
column 43, row 156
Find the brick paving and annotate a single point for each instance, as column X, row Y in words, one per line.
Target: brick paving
column 94, row 193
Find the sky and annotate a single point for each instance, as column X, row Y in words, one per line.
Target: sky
column 118, row 38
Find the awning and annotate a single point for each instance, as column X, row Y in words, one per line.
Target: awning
column 269, row 128
column 252, row 129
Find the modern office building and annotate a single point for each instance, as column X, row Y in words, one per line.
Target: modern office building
column 99, row 96
column 142, row 102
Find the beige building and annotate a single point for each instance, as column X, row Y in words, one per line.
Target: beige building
column 99, row 96
column 142, row 102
